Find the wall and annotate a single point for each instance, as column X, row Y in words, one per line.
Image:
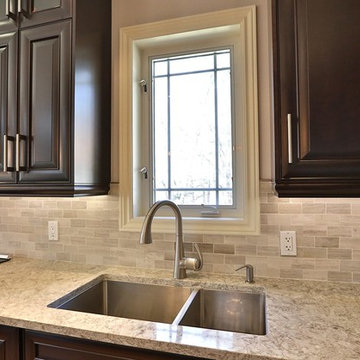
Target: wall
column 328, row 230
column 134, row 12
column 328, row 237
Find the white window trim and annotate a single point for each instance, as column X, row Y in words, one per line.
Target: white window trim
column 245, row 19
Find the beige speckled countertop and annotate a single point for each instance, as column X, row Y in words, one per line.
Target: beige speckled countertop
column 305, row 320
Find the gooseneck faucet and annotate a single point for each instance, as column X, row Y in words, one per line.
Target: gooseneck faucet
column 181, row 263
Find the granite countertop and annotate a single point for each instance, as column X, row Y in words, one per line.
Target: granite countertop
column 305, row 319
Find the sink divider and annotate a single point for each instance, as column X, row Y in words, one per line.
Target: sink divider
column 185, row 307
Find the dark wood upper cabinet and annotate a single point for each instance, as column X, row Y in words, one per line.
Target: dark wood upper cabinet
column 317, row 89
column 45, row 109
column 55, row 94
column 9, row 343
column 8, row 105
column 36, row 12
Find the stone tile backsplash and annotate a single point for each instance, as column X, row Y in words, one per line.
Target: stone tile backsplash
column 328, row 237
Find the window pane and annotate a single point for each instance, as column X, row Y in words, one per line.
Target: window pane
column 226, row 198
column 223, row 60
column 161, row 195
column 161, row 133
column 224, row 128
column 193, row 197
column 192, row 131
column 190, row 64
column 160, row 68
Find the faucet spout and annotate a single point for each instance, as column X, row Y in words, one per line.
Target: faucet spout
column 181, row 263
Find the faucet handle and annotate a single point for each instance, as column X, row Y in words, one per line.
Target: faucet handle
column 200, row 259
column 195, row 264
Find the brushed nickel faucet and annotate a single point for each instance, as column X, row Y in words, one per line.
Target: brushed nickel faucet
column 249, row 273
column 181, row 263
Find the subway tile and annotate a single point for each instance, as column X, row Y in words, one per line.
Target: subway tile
column 350, row 243
column 291, row 274
column 339, row 276
column 327, row 241
column 311, row 252
column 268, row 251
column 245, row 250
column 342, row 231
column 311, row 208
column 349, row 265
column 338, row 208
column 224, row 249
column 339, row 253
column 272, row 208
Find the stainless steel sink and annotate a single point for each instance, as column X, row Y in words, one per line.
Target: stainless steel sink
column 128, row 300
column 228, row 310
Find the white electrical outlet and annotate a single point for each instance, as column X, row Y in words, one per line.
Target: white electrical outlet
column 53, row 232
column 288, row 243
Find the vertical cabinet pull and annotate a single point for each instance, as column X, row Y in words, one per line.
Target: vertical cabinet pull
column 19, row 6
column 7, row 10
column 17, row 153
column 18, row 139
column 5, row 153
column 289, row 129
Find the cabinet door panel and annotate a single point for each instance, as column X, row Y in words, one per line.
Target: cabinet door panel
column 9, row 343
column 8, row 103
column 317, row 57
column 45, row 115
column 42, row 11
column 41, row 346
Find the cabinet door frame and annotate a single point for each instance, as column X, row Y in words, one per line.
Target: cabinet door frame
column 9, row 343
column 307, row 175
column 31, row 17
column 8, row 101
column 58, row 168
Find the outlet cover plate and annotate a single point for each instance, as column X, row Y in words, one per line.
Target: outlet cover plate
column 53, row 231
column 288, row 243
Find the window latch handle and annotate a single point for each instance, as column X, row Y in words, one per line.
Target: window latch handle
column 144, row 171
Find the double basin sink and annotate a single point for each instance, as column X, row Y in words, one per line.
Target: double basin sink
column 227, row 310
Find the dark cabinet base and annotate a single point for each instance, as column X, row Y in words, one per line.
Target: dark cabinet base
column 9, row 343
column 40, row 346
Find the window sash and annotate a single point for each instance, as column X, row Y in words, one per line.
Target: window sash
column 215, row 69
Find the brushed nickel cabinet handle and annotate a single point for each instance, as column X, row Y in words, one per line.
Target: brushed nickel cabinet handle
column 19, row 6
column 290, row 155
column 5, row 153
column 17, row 153
column 7, row 10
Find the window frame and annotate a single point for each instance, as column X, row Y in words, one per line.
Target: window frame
column 241, row 21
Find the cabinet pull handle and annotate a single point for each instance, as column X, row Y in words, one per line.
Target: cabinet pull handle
column 19, row 6
column 8, row 13
column 17, row 153
column 5, row 153
column 290, row 155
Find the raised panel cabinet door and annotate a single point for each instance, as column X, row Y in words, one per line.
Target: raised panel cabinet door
column 45, row 104
column 35, row 12
column 9, row 343
column 317, row 77
column 8, row 105
column 8, row 15
column 41, row 346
